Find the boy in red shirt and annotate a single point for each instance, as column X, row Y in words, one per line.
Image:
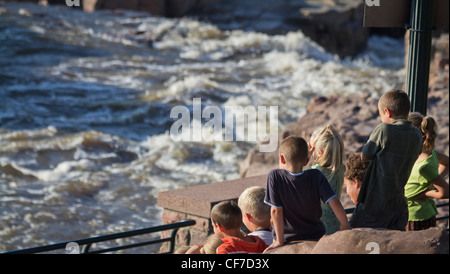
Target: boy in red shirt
column 226, row 218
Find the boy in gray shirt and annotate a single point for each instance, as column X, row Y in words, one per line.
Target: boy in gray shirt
column 392, row 148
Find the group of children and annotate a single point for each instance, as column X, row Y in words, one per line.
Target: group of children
column 391, row 182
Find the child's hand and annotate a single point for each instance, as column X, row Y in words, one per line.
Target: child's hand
column 310, row 149
column 421, row 196
column 194, row 249
column 275, row 244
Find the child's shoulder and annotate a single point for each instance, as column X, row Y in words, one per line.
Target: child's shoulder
column 275, row 172
column 282, row 174
column 384, row 128
column 400, row 126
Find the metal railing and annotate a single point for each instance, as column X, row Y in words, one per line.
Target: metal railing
column 87, row 243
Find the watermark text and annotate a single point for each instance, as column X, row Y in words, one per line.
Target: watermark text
column 71, row 3
column 372, row 3
column 229, row 125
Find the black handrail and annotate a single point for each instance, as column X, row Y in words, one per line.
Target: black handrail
column 86, row 243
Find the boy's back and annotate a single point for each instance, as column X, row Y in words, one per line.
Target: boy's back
column 234, row 245
column 299, row 196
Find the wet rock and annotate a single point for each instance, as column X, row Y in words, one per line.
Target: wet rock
column 335, row 24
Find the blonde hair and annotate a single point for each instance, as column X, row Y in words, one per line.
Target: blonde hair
column 330, row 142
column 428, row 126
column 211, row 244
column 251, row 201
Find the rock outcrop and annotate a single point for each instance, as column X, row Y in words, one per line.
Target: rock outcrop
column 367, row 240
column 373, row 241
column 337, row 25
column 353, row 116
column 296, row 247
column 171, row 8
column 356, row 116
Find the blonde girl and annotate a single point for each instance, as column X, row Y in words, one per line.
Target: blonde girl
column 426, row 179
column 327, row 152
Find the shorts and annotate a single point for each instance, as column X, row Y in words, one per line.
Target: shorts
column 421, row 225
column 395, row 220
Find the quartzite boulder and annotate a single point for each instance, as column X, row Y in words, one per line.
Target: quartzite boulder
column 297, row 247
column 368, row 240
column 372, row 241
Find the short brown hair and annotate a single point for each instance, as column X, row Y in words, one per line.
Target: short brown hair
column 294, row 149
column 227, row 214
column 397, row 101
column 355, row 167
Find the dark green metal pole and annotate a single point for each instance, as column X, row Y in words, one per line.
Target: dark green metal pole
column 419, row 51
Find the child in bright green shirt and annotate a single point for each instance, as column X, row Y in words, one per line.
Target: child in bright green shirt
column 425, row 182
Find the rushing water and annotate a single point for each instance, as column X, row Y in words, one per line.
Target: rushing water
column 85, row 103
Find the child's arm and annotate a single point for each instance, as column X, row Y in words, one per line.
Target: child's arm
column 441, row 191
column 374, row 144
column 339, row 211
column 443, row 164
column 276, row 214
column 195, row 249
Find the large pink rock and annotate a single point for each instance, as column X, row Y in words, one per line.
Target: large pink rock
column 372, row 241
column 297, row 247
column 367, row 240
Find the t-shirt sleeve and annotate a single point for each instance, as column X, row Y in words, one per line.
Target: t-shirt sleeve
column 373, row 145
column 429, row 172
column 272, row 195
column 325, row 190
column 223, row 249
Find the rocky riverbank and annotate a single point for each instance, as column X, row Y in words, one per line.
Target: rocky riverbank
column 356, row 116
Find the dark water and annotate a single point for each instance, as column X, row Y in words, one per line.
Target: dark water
column 85, row 103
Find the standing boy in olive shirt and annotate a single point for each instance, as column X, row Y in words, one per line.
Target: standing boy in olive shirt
column 392, row 148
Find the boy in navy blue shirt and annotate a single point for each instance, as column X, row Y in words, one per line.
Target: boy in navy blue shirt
column 294, row 196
